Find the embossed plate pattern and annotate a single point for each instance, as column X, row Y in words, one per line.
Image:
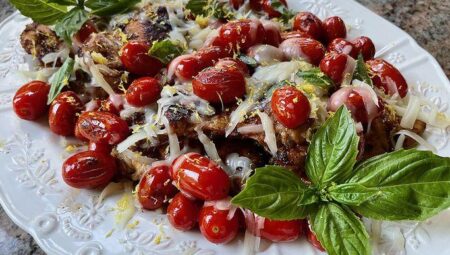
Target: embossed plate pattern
column 67, row 221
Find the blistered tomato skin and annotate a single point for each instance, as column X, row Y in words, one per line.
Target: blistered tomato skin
column 143, row 91
column 224, row 85
column 103, row 127
column 200, row 177
column 100, row 147
column 86, row 30
column 282, row 231
column 215, row 225
column 365, row 47
column 267, row 8
column 256, row 5
column 312, row 239
column 88, row 170
column 273, row 34
column 388, row 78
column 183, row 212
column 136, row 60
column 290, row 107
column 227, row 63
column 340, row 45
column 334, row 27
column 30, row 101
column 309, row 23
column 241, row 34
column 188, row 67
column 305, row 48
column 63, row 112
column 155, row 188
column 334, row 65
column 295, row 34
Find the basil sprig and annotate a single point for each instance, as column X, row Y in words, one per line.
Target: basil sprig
column 67, row 23
column 402, row 185
column 286, row 14
column 362, row 72
column 316, row 77
column 60, row 79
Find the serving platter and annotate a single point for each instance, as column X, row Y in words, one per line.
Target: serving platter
column 63, row 220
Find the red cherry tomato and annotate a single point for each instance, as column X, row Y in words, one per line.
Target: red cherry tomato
column 290, row 106
column 155, row 188
column 340, row 45
column 273, row 34
column 143, row 91
column 188, row 67
column 62, row 115
column 236, row 4
column 241, row 34
column 309, row 23
column 226, row 63
column 136, row 60
column 89, row 169
column 312, row 239
column 388, row 78
column 256, row 5
column 215, row 225
column 305, row 48
column 365, row 47
column 85, row 31
column 334, row 65
column 355, row 104
column 282, row 231
column 272, row 12
column 78, row 135
column 103, row 127
column 30, row 101
column 183, row 212
column 200, row 177
column 334, row 27
column 218, row 86
column 295, row 34
column 100, row 147
column 107, row 106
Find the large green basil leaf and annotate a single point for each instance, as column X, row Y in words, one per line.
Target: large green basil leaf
column 276, row 193
column 333, row 150
column 40, row 11
column 340, row 231
column 402, row 185
column 110, row 7
column 71, row 23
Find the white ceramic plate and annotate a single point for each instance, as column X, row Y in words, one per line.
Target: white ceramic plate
column 66, row 221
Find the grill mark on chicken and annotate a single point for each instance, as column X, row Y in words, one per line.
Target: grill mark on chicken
column 155, row 27
column 39, row 40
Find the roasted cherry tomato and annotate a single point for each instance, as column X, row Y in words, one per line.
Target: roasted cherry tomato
column 388, row 78
column 365, row 47
column 256, row 5
column 30, row 101
column 295, row 34
column 218, row 86
column 303, row 48
column 272, row 12
column 310, row 24
column 334, row 27
column 226, row 63
column 334, row 66
column 143, row 91
column 273, row 34
column 312, row 239
column 100, row 147
column 85, row 31
column 108, row 106
column 186, row 67
column 290, row 107
column 183, row 212
column 241, row 34
column 63, row 112
column 200, row 177
column 208, row 56
column 216, row 226
column 136, row 60
column 282, row 231
column 103, row 127
column 155, row 188
column 89, row 169
column 340, row 45
column 236, row 4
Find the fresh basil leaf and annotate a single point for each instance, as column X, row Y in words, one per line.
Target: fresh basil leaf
column 402, row 185
column 215, row 8
column 277, row 193
column 316, row 77
column 60, row 79
column 40, row 11
column 361, row 72
column 198, row 7
column 166, row 50
column 64, row 2
column 333, row 150
column 110, row 7
column 340, row 231
column 248, row 60
column 71, row 23
column 286, row 14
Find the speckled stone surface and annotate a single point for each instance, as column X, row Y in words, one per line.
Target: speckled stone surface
column 427, row 21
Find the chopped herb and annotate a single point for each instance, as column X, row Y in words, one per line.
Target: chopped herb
column 210, row 8
column 362, row 72
column 286, row 14
column 166, row 50
column 60, row 79
column 316, row 77
column 248, row 60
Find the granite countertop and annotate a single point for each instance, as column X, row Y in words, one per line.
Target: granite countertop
column 425, row 20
